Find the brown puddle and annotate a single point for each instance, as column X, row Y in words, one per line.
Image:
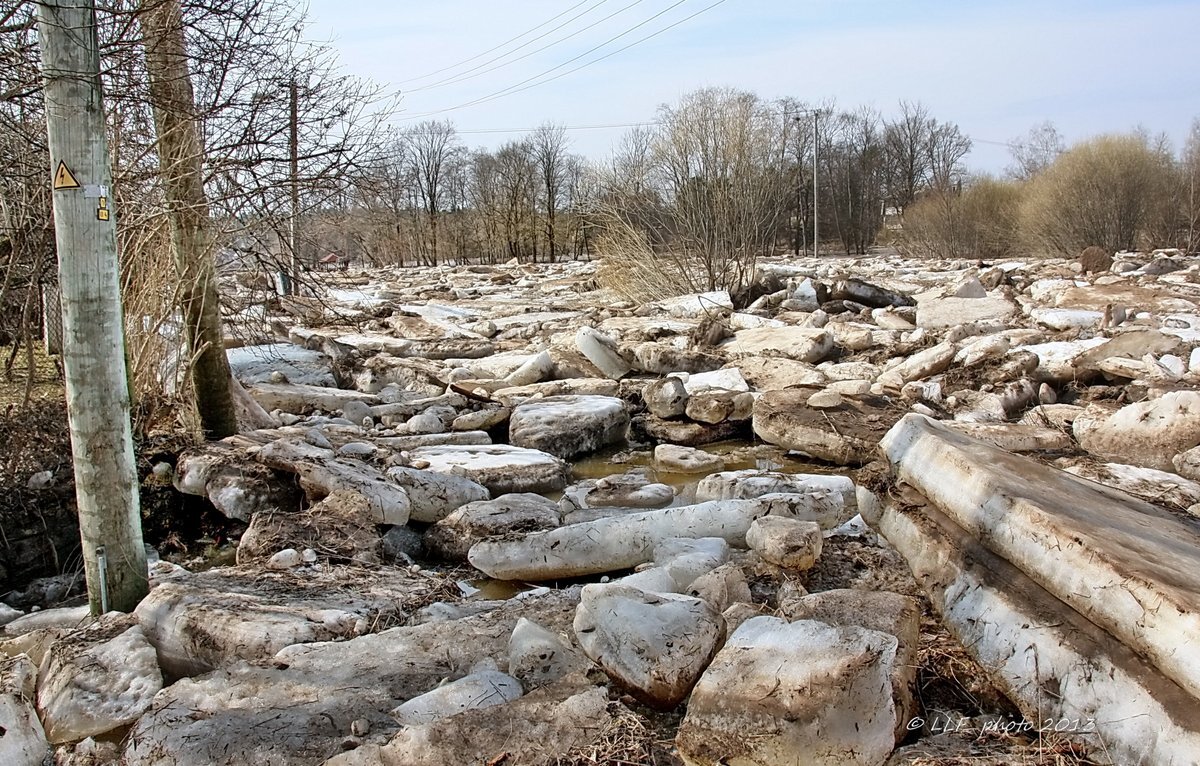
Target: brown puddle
column 738, row 455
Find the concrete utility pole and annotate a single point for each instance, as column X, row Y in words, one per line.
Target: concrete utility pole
column 106, row 486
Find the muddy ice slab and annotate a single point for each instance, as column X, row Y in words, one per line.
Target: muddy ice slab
column 601, row 350
column 535, row 730
column 513, row 396
column 941, row 313
column 622, row 542
column 205, row 620
column 787, row 543
column 97, row 679
column 832, row 498
column 633, row 489
column 778, row 689
column 685, row 432
column 300, row 399
column 454, row 535
column 678, row 562
column 265, row 364
column 1128, row 566
column 298, row 709
column 887, row 612
column 801, row 344
column 322, row 473
column 502, row 468
column 539, row 657
column 655, row 645
column 567, row 426
column 1062, row 671
column 768, row 374
column 233, row 483
column 1017, row 437
column 671, row 457
column 845, row 433
column 477, row 691
column 1149, row 484
column 919, row 366
column 23, row 742
column 1149, row 433
column 433, row 495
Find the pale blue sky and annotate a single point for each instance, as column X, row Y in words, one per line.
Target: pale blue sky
column 995, row 68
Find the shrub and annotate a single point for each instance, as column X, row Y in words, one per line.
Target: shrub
column 1116, row 192
column 980, row 222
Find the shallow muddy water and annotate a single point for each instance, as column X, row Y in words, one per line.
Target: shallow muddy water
column 738, row 455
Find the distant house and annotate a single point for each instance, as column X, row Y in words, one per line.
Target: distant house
column 893, row 218
column 333, row 262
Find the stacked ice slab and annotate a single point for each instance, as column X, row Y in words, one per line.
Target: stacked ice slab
column 1083, row 602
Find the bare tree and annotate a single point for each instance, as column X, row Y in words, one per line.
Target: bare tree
column 483, row 193
column 1191, row 187
column 1035, row 151
column 909, row 159
column 516, row 178
column 431, row 146
column 856, row 162
column 549, row 145
column 947, row 149
column 713, row 198
column 181, row 158
column 921, row 155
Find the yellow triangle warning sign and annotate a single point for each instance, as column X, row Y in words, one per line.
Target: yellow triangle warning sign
column 64, row 178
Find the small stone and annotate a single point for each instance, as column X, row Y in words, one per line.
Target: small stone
column 666, row 398
column 425, row 423
column 355, row 411
column 1046, row 394
column 162, row 472
column 288, row 558
column 317, row 439
column 825, row 400
column 788, row 543
column 40, row 480
column 309, row 556
column 361, row 450
column 360, row 727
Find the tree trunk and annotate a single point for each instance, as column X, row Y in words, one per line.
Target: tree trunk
column 98, row 404
column 180, row 162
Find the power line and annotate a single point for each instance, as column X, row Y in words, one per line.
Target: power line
column 527, row 83
column 464, row 76
column 1008, row 144
column 563, row 127
column 496, row 48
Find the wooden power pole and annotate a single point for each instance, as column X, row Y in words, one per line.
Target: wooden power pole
column 106, row 485
column 294, row 179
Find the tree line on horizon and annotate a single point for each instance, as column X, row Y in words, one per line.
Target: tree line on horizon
column 299, row 161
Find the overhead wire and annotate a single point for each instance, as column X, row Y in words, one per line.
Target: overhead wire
column 528, row 83
column 464, row 76
column 427, row 75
